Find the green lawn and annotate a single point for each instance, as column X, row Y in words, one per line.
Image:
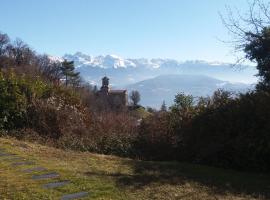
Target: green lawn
column 110, row 177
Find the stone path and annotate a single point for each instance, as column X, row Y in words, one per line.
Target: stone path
column 74, row 196
column 34, row 169
column 13, row 159
column 55, row 184
column 22, row 161
column 45, row 176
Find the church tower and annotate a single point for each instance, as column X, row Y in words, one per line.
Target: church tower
column 105, row 85
column 114, row 98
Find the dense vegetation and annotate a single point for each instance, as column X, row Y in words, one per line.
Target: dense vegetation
column 47, row 101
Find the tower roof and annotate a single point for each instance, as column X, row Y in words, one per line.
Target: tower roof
column 105, row 78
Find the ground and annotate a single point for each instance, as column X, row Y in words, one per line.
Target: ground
column 110, row 177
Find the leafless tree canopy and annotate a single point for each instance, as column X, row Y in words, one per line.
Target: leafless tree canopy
column 4, row 40
column 242, row 26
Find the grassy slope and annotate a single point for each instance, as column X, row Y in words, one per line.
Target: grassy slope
column 109, row 177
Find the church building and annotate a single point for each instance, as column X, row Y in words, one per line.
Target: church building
column 115, row 98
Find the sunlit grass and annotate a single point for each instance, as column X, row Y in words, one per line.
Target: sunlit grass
column 110, row 177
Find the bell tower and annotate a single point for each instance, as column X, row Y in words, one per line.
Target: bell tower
column 105, row 85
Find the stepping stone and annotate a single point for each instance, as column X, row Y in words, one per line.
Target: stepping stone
column 55, row 184
column 23, row 163
column 74, row 195
column 34, row 169
column 45, row 176
column 13, row 158
column 7, row 154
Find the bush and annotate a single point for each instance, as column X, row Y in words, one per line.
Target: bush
column 13, row 102
column 107, row 133
column 156, row 139
column 234, row 135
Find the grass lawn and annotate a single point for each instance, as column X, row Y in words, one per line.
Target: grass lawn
column 110, row 177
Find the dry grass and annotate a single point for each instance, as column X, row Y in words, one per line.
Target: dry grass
column 110, row 177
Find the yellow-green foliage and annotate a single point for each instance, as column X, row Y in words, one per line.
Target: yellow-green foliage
column 13, row 101
column 19, row 92
column 140, row 113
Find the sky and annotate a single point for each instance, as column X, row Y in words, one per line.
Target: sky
column 178, row 29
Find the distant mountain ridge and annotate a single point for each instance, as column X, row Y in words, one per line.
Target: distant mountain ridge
column 160, row 79
column 165, row 87
column 127, row 71
column 114, row 61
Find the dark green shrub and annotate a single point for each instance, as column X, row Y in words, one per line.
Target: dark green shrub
column 13, row 102
column 235, row 134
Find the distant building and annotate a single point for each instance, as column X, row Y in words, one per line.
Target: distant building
column 114, row 98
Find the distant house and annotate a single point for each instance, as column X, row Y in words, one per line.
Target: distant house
column 114, row 98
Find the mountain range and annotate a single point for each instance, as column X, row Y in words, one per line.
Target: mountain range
column 160, row 79
column 165, row 87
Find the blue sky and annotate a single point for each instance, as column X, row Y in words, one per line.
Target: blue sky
column 180, row 29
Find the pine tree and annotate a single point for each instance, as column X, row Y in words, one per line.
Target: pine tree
column 95, row 89
column 68, row 71
column 163, row 107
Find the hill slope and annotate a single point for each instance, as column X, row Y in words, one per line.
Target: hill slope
column 108, row 177
column 154, row 91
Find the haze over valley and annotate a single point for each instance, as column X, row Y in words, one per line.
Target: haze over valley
column 161, row 79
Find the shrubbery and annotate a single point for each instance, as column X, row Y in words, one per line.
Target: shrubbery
column 56, row 115
column 235, row 134
column 226, row 130
column 16, row 93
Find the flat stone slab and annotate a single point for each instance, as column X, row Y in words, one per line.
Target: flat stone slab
column 7, row 154
column 13, row 158
column 45, row 176
column 23, row 163
column 34, row 169
column 74, row 196
column 55, row 184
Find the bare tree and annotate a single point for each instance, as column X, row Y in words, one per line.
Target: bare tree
column 20, row 53
column 242, row 26
column 4, row 40
column 251, row 35
column 50, row 70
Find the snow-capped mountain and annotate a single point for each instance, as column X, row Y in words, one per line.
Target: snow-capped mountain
column 108, row 61
column 123, row 71
column 154, row 79
column 114, row 61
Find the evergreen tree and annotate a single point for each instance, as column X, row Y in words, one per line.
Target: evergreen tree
column 95, row 89
column 135, row 97
column 163, row 107
column 68, row 71
column 251, row 34
column 257, row 49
